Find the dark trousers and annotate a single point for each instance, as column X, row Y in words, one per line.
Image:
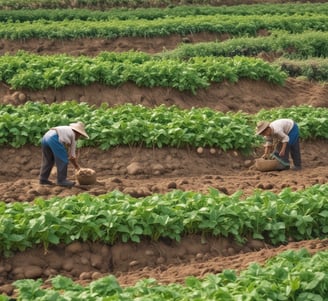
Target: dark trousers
column 53, row 152
column 294, row 151
column 292, row 148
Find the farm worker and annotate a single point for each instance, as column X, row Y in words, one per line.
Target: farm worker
column 282, row 137
column 54, row 151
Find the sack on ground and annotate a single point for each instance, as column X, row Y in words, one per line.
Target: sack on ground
column 262, row 164
column 86, row 176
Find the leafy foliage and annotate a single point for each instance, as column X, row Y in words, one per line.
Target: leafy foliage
column 309, row 44
column 149, row 13
column 158, row 127
column 114, row 28
column 311, row 122
column 35, row 72
column 116, row 217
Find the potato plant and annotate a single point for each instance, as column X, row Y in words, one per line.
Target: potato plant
column 114, row 217
column 161, row 126
column 22, row 15
column 111, row 29
column 310, row 44
column 35, row 72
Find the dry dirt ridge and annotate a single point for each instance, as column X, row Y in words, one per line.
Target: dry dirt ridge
column 141, row 172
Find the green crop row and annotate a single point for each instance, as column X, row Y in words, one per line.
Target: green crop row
column 287, row 9
column 108, row 4
column 291, row 275
column 36, row 72
column 160, row 126
column 228, row 24
column 294, row 46
column 313, row 69
column 305, row 116
column 114, row 217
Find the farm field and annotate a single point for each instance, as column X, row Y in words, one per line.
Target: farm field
column 141, row 172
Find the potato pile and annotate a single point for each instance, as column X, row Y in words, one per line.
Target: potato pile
column 86, row 176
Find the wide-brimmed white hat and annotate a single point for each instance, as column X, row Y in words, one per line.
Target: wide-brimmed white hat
column 79, row 127
column 261, row 126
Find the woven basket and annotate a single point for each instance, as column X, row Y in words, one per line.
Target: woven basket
column 86, row 176
column 262, row 164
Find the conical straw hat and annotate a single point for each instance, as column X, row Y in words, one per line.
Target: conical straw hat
column 79, row 127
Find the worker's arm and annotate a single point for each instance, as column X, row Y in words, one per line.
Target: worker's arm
column 268, row 147
column 74, row 162
column 267, row 151
column 283, row 149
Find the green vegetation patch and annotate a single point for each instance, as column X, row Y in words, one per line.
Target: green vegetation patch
column 304, row 45
column 111, row 29
column 35, row 72
column 151, row 13
column 152, row 127
column 115, row 217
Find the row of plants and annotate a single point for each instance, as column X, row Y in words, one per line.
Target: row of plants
column 117, row 217
column 179, row 69
column 35, row 72
column 227, row 24
column 314, row 69
column 108, row 4
column 152, row 127
column 311, row 116
column 291, row 275
column 293, row 46
column 287, row 9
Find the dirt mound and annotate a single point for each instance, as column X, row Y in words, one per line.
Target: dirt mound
column 141, row 172
column 246, row 95
column 165, row 261
column 92, row 47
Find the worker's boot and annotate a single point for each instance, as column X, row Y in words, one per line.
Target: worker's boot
column 66, row 183
column 62, row 175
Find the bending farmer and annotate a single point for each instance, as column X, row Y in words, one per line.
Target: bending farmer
column 282, row 137
column 54, row 144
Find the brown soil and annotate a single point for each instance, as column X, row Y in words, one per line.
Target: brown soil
column 92, row 47
column 141, row 172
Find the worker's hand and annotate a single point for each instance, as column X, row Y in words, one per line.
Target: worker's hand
column 76, row 165
column 265, row 156
column 74, row 162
